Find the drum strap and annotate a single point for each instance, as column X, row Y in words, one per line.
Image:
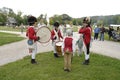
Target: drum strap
column 56, row 34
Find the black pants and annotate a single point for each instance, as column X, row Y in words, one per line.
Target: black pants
column 95, row 36
column 88, row 48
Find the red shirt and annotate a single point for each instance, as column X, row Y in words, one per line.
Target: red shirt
column 31, row 34
column 68, row 44
column 53, row 34
column 87, row 34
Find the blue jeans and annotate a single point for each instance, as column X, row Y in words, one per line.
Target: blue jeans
column 102, row 36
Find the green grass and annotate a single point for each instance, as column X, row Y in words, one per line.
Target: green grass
column 50, row 68
column 11, row 29
column 6, row 38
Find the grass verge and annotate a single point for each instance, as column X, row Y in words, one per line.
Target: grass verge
column 6, row 38
column 50, row 68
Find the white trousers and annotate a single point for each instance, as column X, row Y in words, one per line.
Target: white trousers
column 85, row 52
column 54, row 47
column 34, row 49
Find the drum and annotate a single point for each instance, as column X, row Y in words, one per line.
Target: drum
column 44, row 33
column 59, row 48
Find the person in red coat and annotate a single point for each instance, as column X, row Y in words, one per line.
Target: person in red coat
column 86, row 30
column 68, row 49
column 32, row 38
column 56, row 36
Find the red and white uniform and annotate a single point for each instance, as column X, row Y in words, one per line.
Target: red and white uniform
column 87, row 39
column 57, row 34
column 31, row 34
column 87, row 34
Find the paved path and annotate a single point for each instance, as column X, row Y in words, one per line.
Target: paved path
column 18, row 50
column 14, row 51
column 107, row 48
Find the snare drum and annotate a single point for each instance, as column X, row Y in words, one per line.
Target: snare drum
column 59, row 48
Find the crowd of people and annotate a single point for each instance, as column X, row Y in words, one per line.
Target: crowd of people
column 68, row 46
column 99, row 32
column 68, row 42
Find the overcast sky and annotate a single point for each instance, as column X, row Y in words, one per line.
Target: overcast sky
column 74, row 8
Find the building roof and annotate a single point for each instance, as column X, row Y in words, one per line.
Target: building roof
column 11, row 20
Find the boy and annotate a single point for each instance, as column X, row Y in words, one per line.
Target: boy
column 55, row 37
column 68, row 49
column 32, row 38
column 79, row 42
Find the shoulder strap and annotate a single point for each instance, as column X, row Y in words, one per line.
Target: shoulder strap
column 56, row 34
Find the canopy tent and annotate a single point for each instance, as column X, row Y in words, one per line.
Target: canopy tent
column 114, row 25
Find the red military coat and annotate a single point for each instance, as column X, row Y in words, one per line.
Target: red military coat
column 31, row 34
column 87, row 34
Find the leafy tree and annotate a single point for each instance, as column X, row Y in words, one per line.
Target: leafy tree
column 25, row 20
column 3, row 19
column 19, row 18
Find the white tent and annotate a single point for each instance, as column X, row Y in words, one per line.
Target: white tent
column 114, row 25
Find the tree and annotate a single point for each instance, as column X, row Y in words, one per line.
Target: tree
column 3, row 19
column 62, row 19
column 18, row 18
column 25, row 20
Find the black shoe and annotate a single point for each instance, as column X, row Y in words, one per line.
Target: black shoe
column 56, row 55
column 86, row 62
column 68, row 70
column 33, row 61
column 65, row 69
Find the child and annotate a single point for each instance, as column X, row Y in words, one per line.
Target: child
column 32, row 38
column 79, row 42
column 55, row 37
column 68, row 49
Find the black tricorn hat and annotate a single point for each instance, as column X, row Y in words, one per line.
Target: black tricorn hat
column 87, row 20
column 32, row 19
column 56, row 24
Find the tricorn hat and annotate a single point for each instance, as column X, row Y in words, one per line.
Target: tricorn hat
column 32, row 19
column 87, row 20
column 56, row 24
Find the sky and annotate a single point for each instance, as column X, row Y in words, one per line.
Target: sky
column 74, row 8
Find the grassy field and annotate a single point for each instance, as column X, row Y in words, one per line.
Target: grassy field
column 50, row 68
column 11, row 28
column 6, row 38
